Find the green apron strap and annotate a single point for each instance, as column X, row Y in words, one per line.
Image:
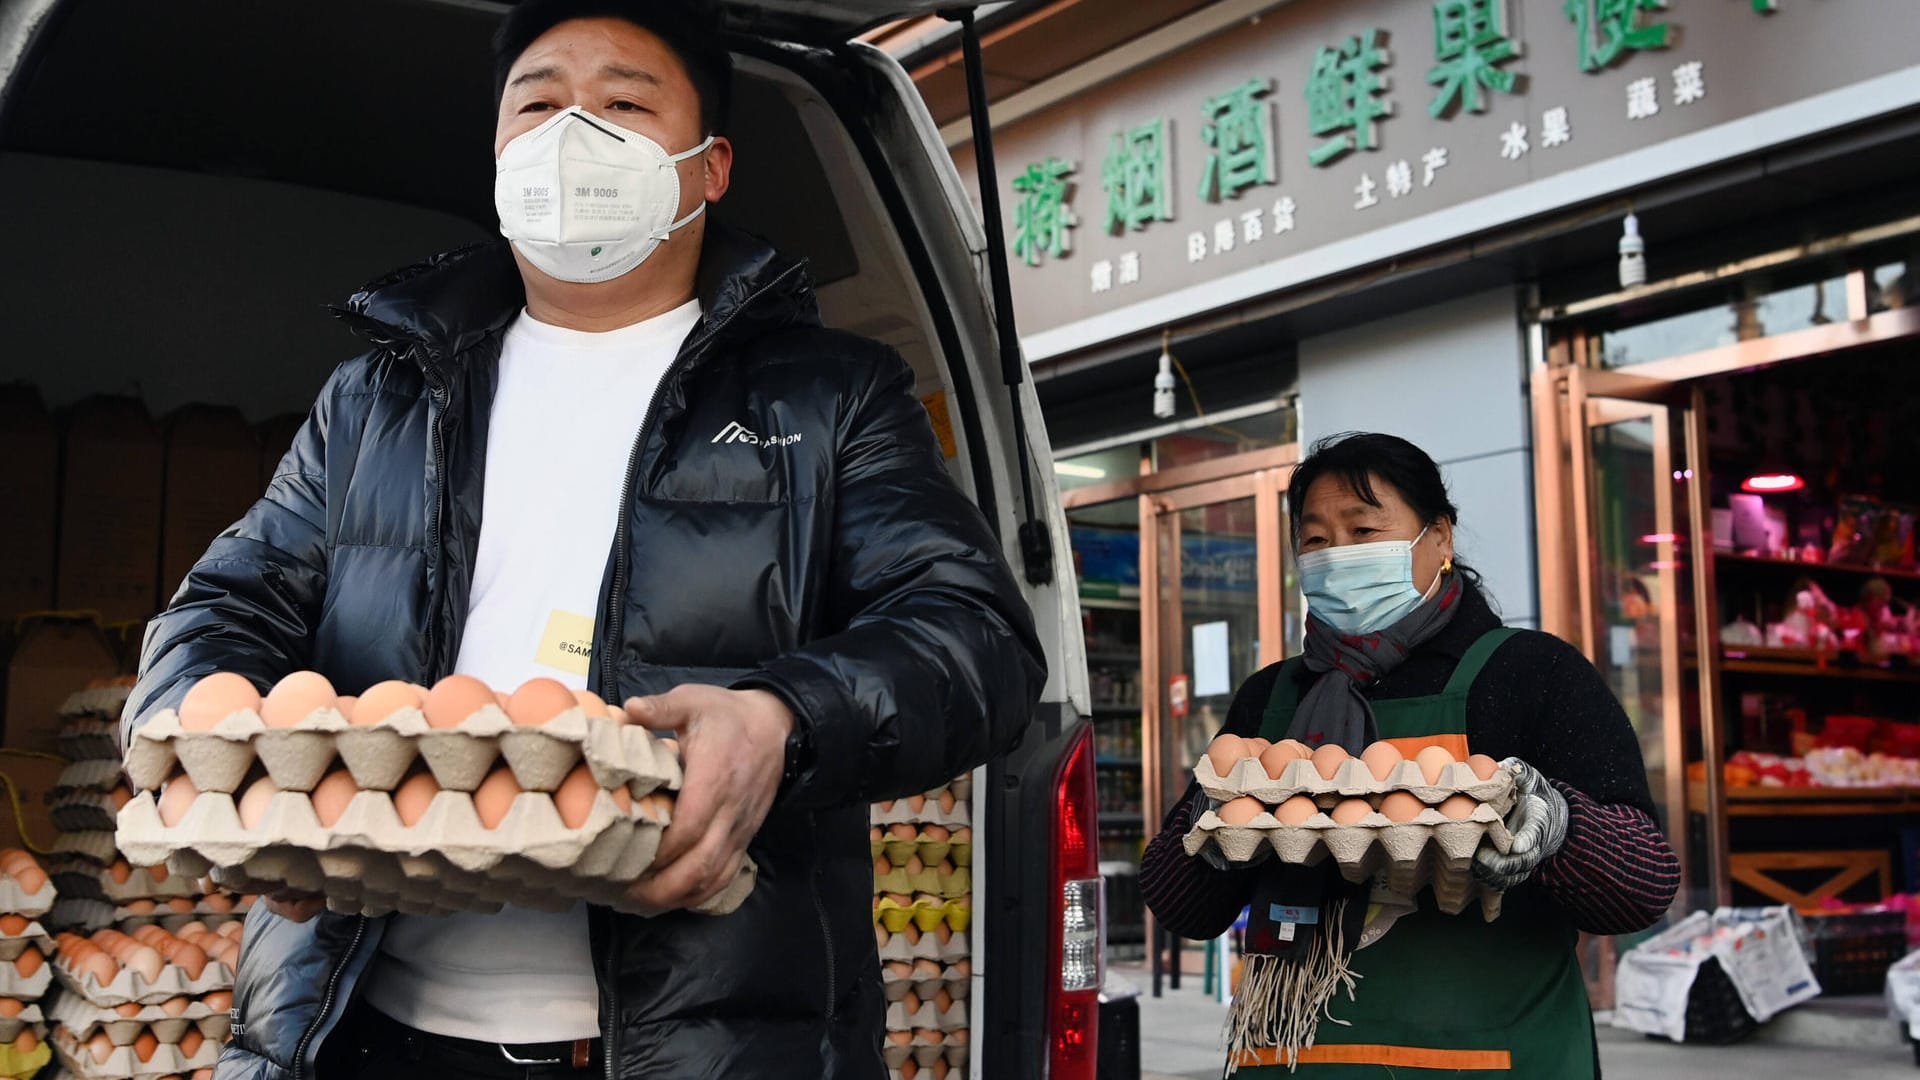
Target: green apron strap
column 1286, row 698
column 1476, row 659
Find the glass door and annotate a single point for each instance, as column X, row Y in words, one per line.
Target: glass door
column 1643, row 533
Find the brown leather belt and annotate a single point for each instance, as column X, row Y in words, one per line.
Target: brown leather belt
column 476, row 1058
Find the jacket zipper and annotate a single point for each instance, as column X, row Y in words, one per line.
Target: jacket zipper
column 437, row 385
column 326, row 1003
column 826, row 925
column 608, row 1002
column 616, row 613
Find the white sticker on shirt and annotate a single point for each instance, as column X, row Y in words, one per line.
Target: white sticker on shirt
column 567, row 643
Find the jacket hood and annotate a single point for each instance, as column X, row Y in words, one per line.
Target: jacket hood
column 450, row 302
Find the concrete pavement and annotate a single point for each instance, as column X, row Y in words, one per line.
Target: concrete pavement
column 1180, row 1040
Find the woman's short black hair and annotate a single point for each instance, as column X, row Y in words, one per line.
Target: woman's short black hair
column 1360, row 458
column 689, row 27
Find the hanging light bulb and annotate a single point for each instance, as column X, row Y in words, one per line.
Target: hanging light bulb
column 1633, row 254
column 1772, row 483
column 1163, row 403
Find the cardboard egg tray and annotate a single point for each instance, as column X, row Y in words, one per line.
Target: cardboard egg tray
column 926, row 1017
column 947, row 884
column 1431, row 850
column 928, row 1046
column 31, row 1063
column 81, row 1019
column 84, row 812
column 900, row 812
column 380, row 755
column 931, row 852
column 370, row 863
column 33, row 937
column 124, row 1064
column 30, row 1016
column 99, row 702
column 956, row 914
column 97, row 775
column 171, row 919
column 89, row 738
column 17, row 901
column 25, row 987
column 1351, row 780
column 925, row 981
column 81, row 878
column 944, row 945
column 132, row 988
column 81, row 914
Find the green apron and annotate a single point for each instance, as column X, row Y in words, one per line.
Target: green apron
column 1450, row 995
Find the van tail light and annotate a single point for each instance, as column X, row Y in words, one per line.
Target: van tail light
column 1073, row 996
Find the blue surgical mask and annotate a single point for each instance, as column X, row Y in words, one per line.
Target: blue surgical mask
column 1362, row 588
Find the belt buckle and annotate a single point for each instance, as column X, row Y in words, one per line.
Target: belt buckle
column 508, row 1054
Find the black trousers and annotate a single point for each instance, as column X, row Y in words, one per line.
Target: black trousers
column 370, row 1045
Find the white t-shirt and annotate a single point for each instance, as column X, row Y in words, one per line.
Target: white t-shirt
column 567, row 410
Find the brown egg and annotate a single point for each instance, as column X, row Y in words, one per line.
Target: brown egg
column 158, row 872
column 190, row 958
column 219, row 1000
column 190, row 1042
column 120, row 871
column 1242, row 810
column 916, row 804
column 128, row 1011
column 909, row 1069
column 875, row 835
column 345, row 706
column 1401, row 806
column 201, row 1074
column 494, row 797
column 232, row 931
column 929, row 1035
column 1255, row 747
column 10, row 1007
column 455, row 698
column 591, row 704
column 937, row 833
column 176, row 799
column 1225, row 752
column 181, row 905
column 32, row 879
column 144, row 1045
column 1483, row 766
column 176, row 1006
column 574, row 797
column 12, row 925
column 26, row 1042
column 910, row 1002
column 154, row 936
column 926, row 969
column 215, row 698
column 382, row 700
column 331, row 795
column 942, row 1001
column 295, row 698
column 218, row 903
column 963, row 968
column 253, row 802
column 947, row 801
column 413, row 796
column 898, row 969
column 1433, row 761
column 119, row 797
column 879, row 932
column 141, row 907
column 100, row 1047
column 656, row 807
column 1351, row 811
column 1328, row 759
column 1277, row 758
column 902, row 831
column 99, row 965
column 1381, row 758
column 1459, row 807
column 900, row 1038
column 228, row 954
column 538, row 701
column 145, row 961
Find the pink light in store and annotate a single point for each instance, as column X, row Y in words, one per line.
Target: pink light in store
column 1659, row 538
column 1771, row 483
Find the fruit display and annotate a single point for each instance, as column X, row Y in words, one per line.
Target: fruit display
column 1419, row 820
column 922, row 849
column 456, row 798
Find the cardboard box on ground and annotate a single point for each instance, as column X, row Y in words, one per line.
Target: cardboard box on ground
column 212, row 477
column 30, row 490
column 110, row 511
column 52, row 654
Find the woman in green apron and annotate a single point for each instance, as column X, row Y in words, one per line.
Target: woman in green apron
column 1345, row 981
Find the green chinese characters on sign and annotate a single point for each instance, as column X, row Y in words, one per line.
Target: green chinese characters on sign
column 1135, row 177
column 1608, row 29
column 1469, row 43
column 1042, row 221
column 1237, row 129
column 1344, row 96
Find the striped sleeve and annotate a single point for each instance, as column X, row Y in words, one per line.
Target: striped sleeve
column 1615, row 873
column 1188, row 897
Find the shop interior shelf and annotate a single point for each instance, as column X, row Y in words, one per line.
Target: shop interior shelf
column 1812, row 567
column 1809, row 663
column 1110, row 657
column 1105, row 709
column 1755, row 801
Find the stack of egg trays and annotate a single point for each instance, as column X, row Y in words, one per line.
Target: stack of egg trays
column 78, row 1020
column 928, row 936
column 90, row 723
column 1429, row 850
column 368, row 861
column 213, row 910
column 25, row 971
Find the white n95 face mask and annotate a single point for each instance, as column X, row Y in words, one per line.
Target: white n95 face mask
column 585, row 200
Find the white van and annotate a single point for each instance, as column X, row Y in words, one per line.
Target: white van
column 184, row 184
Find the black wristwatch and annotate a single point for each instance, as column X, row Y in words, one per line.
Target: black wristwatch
column 799, row 755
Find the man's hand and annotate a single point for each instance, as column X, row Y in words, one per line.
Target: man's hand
column 296, row 907
column 733, row 750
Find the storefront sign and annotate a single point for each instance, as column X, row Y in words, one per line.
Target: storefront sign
column 1329, row 134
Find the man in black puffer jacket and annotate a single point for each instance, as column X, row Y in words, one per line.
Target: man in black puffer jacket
column 620, row 452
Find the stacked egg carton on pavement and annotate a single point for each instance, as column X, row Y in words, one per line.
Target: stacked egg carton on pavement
column 99, row 887
column 405, row 799
column 26, row 895
column 922, row 905
column 1418, row 820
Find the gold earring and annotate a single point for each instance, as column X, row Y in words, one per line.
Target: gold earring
column 1447, row 567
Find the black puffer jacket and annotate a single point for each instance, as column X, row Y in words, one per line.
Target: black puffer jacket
column 838, row 567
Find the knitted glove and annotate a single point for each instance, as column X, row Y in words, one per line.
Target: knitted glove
column 1209, row 854
column 1538, row 822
